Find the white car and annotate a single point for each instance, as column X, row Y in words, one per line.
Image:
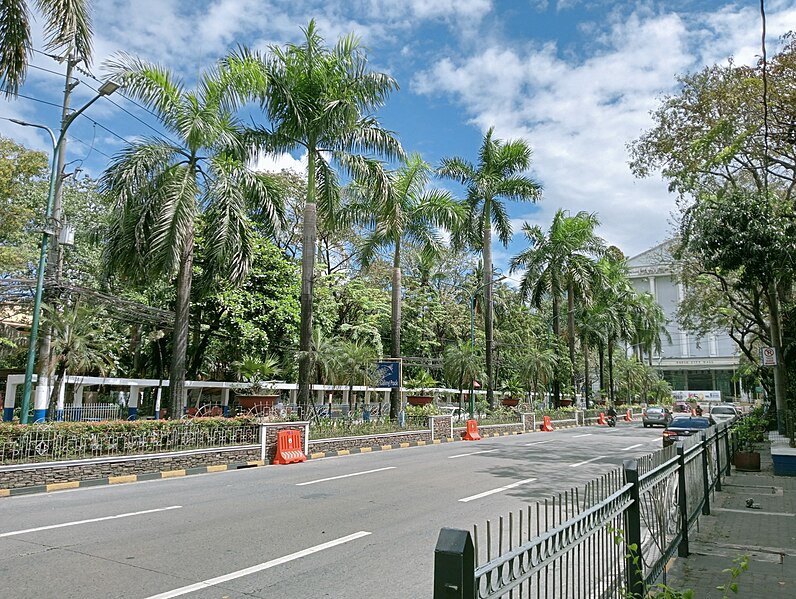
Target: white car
column 723, row 413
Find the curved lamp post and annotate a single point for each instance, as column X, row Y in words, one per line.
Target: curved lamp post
column 105, row 89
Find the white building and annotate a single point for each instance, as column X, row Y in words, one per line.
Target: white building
column 688, row 362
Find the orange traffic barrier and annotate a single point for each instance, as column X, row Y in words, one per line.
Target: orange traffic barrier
column 547, row 425
column 472, row 431
column 288, row 447
column 601, row 419
column 628, row 416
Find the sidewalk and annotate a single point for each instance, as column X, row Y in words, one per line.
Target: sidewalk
column 765, row 533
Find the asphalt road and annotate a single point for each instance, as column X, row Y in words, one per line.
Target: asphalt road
column 359, row 526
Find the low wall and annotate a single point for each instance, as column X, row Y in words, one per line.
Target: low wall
column 33, row 475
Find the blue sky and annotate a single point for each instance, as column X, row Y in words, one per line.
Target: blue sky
column 576, row 79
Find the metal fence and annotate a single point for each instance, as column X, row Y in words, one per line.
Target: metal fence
column 45, row 442
column 612, row 538
column 90, row 412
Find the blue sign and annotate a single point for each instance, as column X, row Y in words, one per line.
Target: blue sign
column 390, row 373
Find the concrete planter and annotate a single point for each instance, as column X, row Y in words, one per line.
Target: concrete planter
column 419, row 400
column 784, row 459
column 747, row 461
column 247, row 402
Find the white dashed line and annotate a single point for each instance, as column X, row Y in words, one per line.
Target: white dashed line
column 632, row 447
column 258, row 568
column 498, row 490
column 539, row 442
column 127, row 515
column 599, row 457
column 323, row 480
column 583, row 435
column 464, row 455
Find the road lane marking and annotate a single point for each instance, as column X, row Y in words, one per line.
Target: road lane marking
column 464, row 455
column 498, row 490
column 599, row 457
column 323, row 480
column 540, row 442
column 583, row 435
column 210, row 582
column 753, row 511
column 75, row 523
column 632, row 447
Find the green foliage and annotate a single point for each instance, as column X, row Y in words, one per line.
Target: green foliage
column 750, row 430
column 422, row 380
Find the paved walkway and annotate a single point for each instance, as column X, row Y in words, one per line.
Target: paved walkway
column 765, row 533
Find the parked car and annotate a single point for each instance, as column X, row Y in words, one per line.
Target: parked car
column 724, row 413
column 653, row 415
column 682, row 427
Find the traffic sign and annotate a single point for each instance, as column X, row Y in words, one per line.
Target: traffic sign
column 768, row 356
column 390, row 373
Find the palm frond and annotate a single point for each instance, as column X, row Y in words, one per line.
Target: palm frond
column 68, row 26
column 15, row 49
column 150, row 83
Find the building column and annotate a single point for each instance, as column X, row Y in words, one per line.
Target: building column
column 42, row 399
column 225, row 402
column 684, row 341
column 132, row 403
column 8, row 402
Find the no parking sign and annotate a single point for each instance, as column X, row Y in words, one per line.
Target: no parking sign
column 768, row 356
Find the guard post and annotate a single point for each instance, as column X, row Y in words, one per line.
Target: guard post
column 454, row 565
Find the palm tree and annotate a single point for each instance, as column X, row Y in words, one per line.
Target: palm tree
column 563, row 260
column 319, row 100
column 649, row 323
column 168, row 192
column 67, row 26
column 405, row 212
column 497, row 175
column 461, row 365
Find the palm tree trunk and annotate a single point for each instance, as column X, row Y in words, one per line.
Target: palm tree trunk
column 571, row 334
column 488, row 321
column 307, row 279
column 556, row 333
column 177, row 392
column 611, row 370
column 395, row 392
column 585, row 347
column 601, row 357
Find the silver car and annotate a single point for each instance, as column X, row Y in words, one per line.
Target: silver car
column 723, row 413
column 653, row 415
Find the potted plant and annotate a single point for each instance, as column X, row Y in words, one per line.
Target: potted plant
column 512, row 392
column 259, row 391
column 421, row 386
column 749, row 434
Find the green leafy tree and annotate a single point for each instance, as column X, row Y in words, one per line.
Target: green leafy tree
column 319, row 100
column 67, row 26
column 462, row 365
column 404, row 212
column 171, row 193
column 563, row 260
column 498, row 176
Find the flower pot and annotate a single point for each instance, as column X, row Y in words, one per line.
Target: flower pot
column 747, row 461
column 247, row 402
column 565, row 403
column 508, row 401
column 418, row 400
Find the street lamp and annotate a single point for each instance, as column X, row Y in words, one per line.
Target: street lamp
column 472, row 333
column 105, row 89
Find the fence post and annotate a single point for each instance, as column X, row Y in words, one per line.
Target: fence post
column 682, row 548
column 633, row 557
column 703, row 443
column 718, row 460
column 454, row 565
column 727, row 447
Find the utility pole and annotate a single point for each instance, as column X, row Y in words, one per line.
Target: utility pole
column 55, row 259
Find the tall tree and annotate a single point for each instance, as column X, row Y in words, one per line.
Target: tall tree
column 563, row 260
column 405, row 212
column 67, row 27
column 319, row 100
column 497, row 176
column 171, row 193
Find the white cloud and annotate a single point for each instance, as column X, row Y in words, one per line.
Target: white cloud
column 579, row 114
column 278, row 162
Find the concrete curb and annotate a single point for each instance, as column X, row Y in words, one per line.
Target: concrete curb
column 354, row 450
column 129, row 478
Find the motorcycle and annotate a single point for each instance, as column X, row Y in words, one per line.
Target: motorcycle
column 611, row 421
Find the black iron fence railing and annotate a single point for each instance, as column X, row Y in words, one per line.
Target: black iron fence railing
column 611, row 538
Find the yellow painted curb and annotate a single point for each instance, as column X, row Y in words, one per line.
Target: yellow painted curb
column 437, row 441
column 72, row 484
column 421, row 443
column 217, row 468
column 343, row 452
column 255, row 463
column 172, row 473
column 318, row 454
column 403, row 445
column 365, row 449
column 5, row 492
column 117, row 480
column 385, row 447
